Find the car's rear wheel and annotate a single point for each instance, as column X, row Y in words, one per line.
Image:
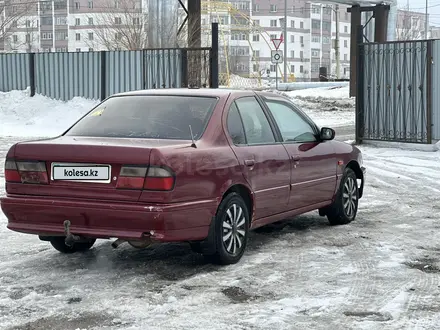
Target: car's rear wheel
column 231, row 230
column 344, row 208
column 59, row 245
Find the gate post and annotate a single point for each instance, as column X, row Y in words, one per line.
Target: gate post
column 429, row 91
column 213, row 72
column 359, row 114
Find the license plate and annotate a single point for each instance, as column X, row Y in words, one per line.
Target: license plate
column 81, row 172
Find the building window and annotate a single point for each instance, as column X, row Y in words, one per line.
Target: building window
column 61, row 36
column 28, row 23
column 273, row 8
column 301, row 54
column 90, row 49
column 256, row 37
column 301, row 25
column 91, row 36
column 316, row 9
column 293, row 9
column 345, row 44
column 273, row 36
column 292, row 24
column 136, row 21
column 90, row 4
column 90, row 20
column 273, row 23
column 327, row 11
column 316, row 24
column 292, row 54
column 77, row 21
column 255, row 68
column 256, row 54
column 15, row 38
column 301, row 69
column 46, row 36
column 256, row 7
column 77, row 5
column 301, row 40
column 273, row 68
column 61, row 20
column 78, row 37
column 345, row 57
column 118, row 36
column 28, row 38
column 78, row 50
column 325, row 40
column 316, row 39
column 345, row 29
column 315, row 52
column 256, row 22
column 292, row 38
column 292, row 68
column 118, row 21
column 326, row 26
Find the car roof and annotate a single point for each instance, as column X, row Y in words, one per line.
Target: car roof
column 212, row 92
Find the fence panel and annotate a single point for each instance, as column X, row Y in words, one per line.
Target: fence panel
column 163, row 68
column 123, row 71
column 395, row 93
column 63, row 76
column 14, row 72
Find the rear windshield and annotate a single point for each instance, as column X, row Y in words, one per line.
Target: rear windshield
column 158, row 117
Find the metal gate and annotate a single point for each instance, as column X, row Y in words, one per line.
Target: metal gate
column 394, row 92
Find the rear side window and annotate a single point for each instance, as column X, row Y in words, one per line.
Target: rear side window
column 235, row 126
column 145, row 116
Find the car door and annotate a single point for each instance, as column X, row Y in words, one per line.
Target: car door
column 314, row 163
column 264, row 161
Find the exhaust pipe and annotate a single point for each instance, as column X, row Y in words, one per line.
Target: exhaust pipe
column 118, row 242
column 70, row 239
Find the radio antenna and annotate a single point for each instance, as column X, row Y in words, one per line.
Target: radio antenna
column 192, row 137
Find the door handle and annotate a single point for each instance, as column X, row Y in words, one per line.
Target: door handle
column 249, row 162
column 296, row 158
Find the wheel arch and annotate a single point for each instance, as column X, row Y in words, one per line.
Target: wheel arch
column 354, row 165
column 246, row 194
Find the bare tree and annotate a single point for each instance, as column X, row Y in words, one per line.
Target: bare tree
column 409, row 25
column 11, row 12
column 125, row 25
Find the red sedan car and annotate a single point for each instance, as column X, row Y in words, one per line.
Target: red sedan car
column 203, row 166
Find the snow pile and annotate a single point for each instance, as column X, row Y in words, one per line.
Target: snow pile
column 22, row 115
column 327, row 99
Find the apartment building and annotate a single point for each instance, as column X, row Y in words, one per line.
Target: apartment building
column 247, row 29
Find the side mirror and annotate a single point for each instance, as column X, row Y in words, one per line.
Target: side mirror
column 327, row 134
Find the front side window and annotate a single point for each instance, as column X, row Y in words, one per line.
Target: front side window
column 147, row 116
column 255, row 122
column 293, row 127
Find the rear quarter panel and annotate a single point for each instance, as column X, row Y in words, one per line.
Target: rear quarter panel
column 203, row 173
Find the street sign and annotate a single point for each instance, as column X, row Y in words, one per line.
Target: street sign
column 277, row 43
column 277, row 56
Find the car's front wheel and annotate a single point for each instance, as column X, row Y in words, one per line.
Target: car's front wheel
column 344, row 208
column 231, row 230
column 59, row 245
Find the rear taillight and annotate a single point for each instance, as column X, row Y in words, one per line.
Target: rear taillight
column 26, row 172
column 11, row 172
column 131, row 177
column 151, row 178
column 159, row 178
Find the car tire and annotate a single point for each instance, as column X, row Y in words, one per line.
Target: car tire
column 59, row 245
column 345, row 206
column 231, row 230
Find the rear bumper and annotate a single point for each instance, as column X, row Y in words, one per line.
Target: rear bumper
column 102, row 219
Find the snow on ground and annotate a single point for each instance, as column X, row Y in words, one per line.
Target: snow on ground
column 21, row 115
column 380, row 272
column 331, row 106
